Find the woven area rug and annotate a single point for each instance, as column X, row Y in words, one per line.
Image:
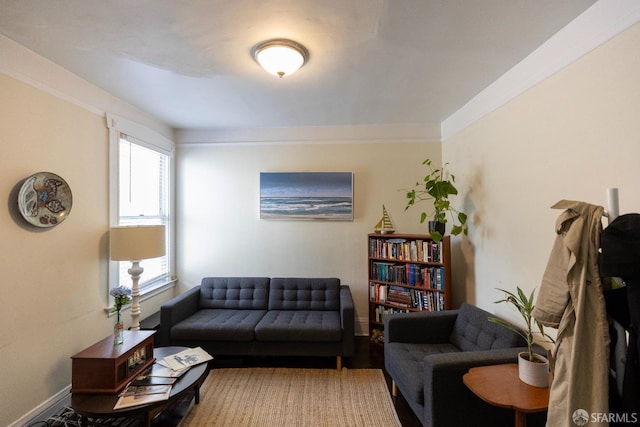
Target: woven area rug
column 284, row 397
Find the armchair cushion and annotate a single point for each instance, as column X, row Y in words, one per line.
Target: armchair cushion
column 409, row 363
column 473, row 331
column 244, row 293
column 294, row 293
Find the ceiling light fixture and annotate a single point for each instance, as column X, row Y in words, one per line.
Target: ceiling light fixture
column 280, row 57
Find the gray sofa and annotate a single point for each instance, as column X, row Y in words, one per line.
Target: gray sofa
column 426, row 355
column 261, row 316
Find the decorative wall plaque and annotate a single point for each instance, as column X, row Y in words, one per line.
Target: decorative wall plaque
column 45, row 199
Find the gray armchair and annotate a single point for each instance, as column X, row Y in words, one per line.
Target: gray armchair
column 427, row 353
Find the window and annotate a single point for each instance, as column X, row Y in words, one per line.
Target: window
column 141, row 194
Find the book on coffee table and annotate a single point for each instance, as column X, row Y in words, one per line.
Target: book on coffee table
column 187, row 358
column 134, row 395
column 159, row 369
column 148, row 380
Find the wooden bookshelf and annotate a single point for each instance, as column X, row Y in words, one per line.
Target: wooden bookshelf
column 407, row 272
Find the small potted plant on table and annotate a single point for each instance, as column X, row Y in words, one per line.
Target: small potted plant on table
column 533, row 368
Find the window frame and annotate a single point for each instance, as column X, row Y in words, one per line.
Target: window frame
column 150, row 139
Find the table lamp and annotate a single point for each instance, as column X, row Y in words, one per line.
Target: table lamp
column 135, row 243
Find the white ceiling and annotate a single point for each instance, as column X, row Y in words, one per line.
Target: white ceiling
column 371, row 61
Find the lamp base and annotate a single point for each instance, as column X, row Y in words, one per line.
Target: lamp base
column 135, row 271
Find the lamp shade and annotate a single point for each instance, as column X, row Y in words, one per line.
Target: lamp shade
column 137, row 242
column 280, row 57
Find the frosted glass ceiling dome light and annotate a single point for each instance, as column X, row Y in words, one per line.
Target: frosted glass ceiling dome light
column 280, row 57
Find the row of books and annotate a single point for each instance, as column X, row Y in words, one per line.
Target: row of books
column 156, row 382
column 408, row 274
column 406, row 250
column 381, row 311
column 406, row 297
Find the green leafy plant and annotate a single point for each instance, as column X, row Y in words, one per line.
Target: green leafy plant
column 435, row 188
column 525, row 306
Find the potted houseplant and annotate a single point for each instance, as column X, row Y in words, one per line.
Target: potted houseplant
column 436, row 187
column 533, row 368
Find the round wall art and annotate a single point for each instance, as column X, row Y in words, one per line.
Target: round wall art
column 45, row 199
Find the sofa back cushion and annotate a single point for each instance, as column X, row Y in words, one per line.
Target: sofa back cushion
column 472, row 331
column 293, row 293
column 244, row 293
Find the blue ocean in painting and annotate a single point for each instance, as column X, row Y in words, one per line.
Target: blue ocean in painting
column 307, row 207
column 306, row 195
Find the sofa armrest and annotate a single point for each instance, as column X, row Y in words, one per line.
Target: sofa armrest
column 347, row 316
column 174, row 311
column 431, row 327
column 443, row 380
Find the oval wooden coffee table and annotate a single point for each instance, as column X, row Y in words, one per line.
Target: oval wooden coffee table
column 500, row 386
column 101, row 405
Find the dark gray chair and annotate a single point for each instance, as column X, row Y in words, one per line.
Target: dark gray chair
column 427, row 353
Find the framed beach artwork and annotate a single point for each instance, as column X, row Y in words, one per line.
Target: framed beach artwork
column 306, row 195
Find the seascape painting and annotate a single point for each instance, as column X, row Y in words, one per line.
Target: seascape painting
column 306, row 195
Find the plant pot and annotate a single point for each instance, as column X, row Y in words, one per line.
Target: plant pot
column 534, row 373
column 440, row 227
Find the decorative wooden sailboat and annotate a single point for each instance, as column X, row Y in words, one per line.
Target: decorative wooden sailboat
column 384, row 226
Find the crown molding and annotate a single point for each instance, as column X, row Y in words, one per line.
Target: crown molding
column 26, row 66
column 413, row 133
column 602, row 21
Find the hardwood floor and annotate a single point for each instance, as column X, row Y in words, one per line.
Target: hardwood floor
column 366, row 356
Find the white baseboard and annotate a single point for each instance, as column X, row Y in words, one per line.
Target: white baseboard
column 362, row 326
column 46, row 409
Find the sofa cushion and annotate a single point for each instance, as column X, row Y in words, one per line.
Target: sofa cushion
column 234, row 292
column 473, row 331
column 218, row 325
column 407, row 363
column 304, row 294
column 299, row 325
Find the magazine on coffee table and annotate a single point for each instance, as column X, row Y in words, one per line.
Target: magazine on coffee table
column 187, row 358
column 160, row 370
column 145, row 379
column 134, row 395
column 162, row 364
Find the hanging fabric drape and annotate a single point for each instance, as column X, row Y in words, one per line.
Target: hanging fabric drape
column 571, row 299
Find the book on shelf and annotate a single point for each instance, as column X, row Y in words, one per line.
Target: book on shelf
column 381, row 312
column 378, row 292
column 408, row 274
column 406, row 250
column 421, row 299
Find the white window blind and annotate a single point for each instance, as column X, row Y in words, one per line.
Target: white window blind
column 143, row 199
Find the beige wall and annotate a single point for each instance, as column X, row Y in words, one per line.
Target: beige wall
column 570, row 137
column 54, row 286
column 55, row 280
column 221, row 233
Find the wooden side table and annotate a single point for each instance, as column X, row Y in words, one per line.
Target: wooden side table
column 500, row 386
